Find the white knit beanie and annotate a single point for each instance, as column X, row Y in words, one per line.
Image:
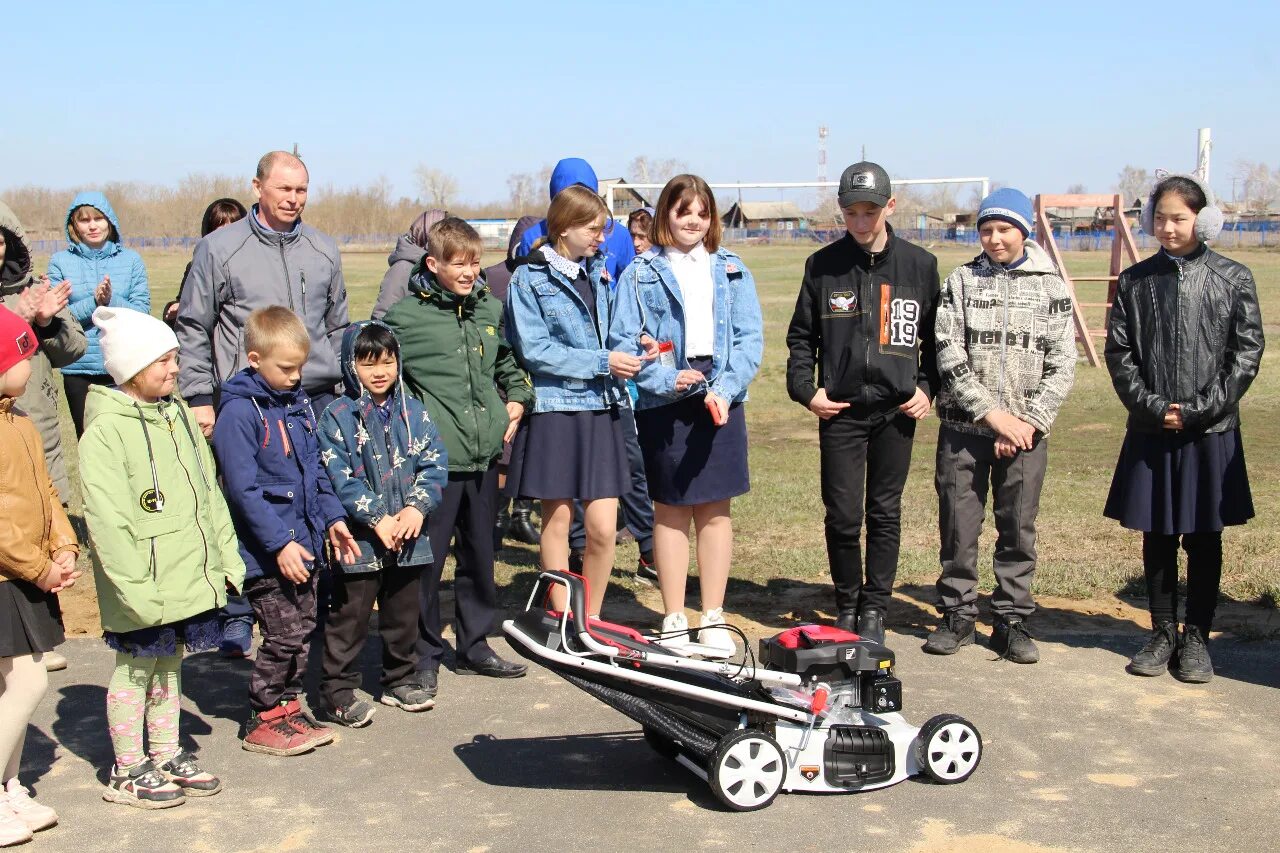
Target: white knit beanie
column 130, row 340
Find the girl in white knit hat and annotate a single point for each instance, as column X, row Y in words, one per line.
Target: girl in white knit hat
column 164, row 551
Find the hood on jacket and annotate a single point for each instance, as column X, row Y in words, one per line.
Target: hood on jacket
column 92, row 198
column 351, row 385
column 249, row 385
column 573, row 170
column 406, row 250
column 423, row 284
column 15, row 271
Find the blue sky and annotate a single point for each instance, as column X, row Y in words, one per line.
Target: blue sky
column 482, row 89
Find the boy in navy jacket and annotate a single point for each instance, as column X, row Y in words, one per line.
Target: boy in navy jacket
column 282, row 504
column 389, row 468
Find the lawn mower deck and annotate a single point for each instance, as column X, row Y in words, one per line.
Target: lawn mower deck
column 819, row 710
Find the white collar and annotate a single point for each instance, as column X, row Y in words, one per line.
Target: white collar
column 697, row 254
column 569, row 269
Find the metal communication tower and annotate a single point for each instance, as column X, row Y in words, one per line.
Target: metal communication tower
column 822, row 154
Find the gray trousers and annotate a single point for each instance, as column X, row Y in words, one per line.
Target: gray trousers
column 966, row 466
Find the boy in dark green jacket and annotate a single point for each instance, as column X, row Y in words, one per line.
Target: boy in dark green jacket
column 454, row 359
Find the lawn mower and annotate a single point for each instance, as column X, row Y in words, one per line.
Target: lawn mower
column 818, row 711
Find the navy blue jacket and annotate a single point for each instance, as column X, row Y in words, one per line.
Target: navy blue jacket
column 380, row 465
column 269, row 457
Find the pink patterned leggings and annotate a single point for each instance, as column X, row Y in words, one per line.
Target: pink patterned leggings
column 144, row 691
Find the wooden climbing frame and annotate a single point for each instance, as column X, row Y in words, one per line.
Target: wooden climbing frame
column 1121, row 243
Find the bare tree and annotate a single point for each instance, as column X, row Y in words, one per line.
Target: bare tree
column 1133, row 183
column 1259, row 185
column 436, row 185
column 650, row 170
column 520, row 189
column 1077, row 189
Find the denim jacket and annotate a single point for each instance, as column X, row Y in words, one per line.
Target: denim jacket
column 550, row 329
column 648, row 300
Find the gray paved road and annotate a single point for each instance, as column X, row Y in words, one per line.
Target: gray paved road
column 1079, row 756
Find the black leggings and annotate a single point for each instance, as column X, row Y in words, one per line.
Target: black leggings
column 1204, row 576
column 76, row 386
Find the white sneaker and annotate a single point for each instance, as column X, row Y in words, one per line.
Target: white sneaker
column 712, row 636
column 12, row 828
column 33, row 814
column 674, row 622
column 54, row 662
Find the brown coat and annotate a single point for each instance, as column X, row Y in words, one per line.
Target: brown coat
column 33, row 525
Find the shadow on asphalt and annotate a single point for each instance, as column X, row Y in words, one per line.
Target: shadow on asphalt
column 576, row 763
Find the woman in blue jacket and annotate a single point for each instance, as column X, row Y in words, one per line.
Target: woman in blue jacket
column 572, row 446
column 102, row 272
column 698, row 301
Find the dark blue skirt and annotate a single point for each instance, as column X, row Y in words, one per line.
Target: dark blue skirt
column 569, row 455
column 1172, row 482
column 199, row 633
column 688, row 460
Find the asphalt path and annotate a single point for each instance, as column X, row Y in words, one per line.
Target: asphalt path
column 1078, row 756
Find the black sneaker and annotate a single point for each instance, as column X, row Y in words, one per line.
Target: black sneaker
column 576, row 556
column 956, row 630
column 183, row 771
column 356, row 714
column 645, row 570
column 408, row 697
column 1194, row 666
column 871, row 625
column 428, row 679
column 1012, row 640
column 1156, row 654
column 143, row 787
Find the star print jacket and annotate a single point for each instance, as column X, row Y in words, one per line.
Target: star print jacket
column 380, row 460
column 269, row 457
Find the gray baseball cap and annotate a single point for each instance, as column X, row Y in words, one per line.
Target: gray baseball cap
column 865, row 182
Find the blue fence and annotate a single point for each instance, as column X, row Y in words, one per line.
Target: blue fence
column 1234, row 235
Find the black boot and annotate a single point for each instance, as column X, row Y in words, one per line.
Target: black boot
column 1012, row 640
column 1194, row 666
column 522, row 528
column 1155, row 655
column 871, row 625
column 645, row 570
column 501, row 525
column 847, row 620
column 955, row 631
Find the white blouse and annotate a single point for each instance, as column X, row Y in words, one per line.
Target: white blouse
column 692, row 270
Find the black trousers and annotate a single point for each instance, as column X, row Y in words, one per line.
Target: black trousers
column 864, row 468
column 351, row 597
column 286, row 614
column 469, row 508
column 76, row 387
column 1204, row 576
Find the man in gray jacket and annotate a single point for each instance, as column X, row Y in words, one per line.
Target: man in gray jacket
column 62, row 340
column 271, row 257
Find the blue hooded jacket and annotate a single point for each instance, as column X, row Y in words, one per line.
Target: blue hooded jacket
column 380, row 465
column 85, row 267
column 275, row 484
column 617, row 249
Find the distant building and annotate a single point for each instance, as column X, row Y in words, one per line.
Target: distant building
column 766, row 215
column 625, row 199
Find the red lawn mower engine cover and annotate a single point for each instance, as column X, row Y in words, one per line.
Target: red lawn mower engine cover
column 823, row 653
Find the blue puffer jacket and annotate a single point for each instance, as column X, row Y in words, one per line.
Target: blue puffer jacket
column 380, row 465
column 85, row 267
column 275, row 484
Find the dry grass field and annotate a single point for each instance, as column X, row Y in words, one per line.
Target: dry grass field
column 779, row 541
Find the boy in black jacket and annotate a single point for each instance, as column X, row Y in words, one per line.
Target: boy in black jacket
column 864, row 325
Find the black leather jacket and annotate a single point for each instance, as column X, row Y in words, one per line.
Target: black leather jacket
column 1185, row 331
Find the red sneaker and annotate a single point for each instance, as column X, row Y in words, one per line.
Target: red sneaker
column 305, row 724
column 271, row 732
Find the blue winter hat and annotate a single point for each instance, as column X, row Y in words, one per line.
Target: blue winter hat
column 1009, row 205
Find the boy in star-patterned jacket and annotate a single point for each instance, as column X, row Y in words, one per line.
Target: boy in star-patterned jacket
column 389, row 468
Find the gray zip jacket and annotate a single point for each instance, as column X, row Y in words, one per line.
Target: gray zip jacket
column 61, row 343
column 244, row 266
column 1005, row 341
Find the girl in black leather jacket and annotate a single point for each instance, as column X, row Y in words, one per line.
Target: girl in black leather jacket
column 1184, row 341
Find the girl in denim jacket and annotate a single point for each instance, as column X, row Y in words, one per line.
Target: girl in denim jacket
column 698, row 302
column 572, row 446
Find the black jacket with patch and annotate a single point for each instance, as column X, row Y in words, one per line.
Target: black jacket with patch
column 863, row 325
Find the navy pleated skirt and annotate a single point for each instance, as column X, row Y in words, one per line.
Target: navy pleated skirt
column 569, row 455
column 30, row 619
column 688, row 460
column 1172, row 483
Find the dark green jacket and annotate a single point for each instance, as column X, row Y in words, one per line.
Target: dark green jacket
column 453, row 351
